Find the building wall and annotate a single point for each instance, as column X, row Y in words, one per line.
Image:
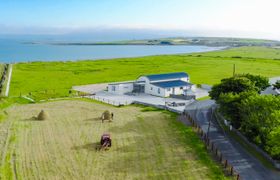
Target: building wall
column 143, row 78
column 120, row 88
column 147, row 83
column 177, row 91
column 154, row 90
column 123, row 88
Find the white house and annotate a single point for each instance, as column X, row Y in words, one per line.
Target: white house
column 162, row 85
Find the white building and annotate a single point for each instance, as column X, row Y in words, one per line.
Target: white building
column 162, row 85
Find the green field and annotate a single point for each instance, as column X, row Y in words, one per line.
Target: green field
column 147, row 144
column 248, row 52
column 54, row 79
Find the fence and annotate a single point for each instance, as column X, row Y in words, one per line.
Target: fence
column 118, row 103
column 109, row 101
column 184, row 97
column 212, row 148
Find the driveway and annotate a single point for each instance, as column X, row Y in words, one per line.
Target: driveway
column 117, row 100
column 270, row 89
column 91, row 88
column 274, row 79
column 244, row 163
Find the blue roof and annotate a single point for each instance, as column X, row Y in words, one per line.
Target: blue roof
column 158, row 77
column 170, row 84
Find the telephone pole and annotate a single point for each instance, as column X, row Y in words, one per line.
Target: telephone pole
column 233, row 70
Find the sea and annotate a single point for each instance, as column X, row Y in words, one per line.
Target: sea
column 13, row 50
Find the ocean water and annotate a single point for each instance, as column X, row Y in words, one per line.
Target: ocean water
column 17, row 51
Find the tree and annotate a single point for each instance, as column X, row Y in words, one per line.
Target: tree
column 230, row 106
column 260, row 82
column 259, row 116
column 273, row 143
column 276, row 85
column 234, row 85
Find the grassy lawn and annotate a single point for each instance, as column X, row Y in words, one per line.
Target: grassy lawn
column 54, row 79
column 147, row 144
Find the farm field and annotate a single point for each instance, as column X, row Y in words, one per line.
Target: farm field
column 147, row 144
column 247, row 52
column 43, row 80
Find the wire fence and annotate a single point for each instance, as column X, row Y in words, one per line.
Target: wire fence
column 213, row 149
column 110, row 101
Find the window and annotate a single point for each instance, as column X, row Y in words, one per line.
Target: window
column 113, row 88
column 168, row 89
column 158, row 91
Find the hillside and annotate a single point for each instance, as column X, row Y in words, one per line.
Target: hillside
column 204, row 41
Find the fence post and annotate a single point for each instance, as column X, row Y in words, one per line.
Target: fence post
column 221, row 157
column 238, row 177
column 231, row 170
column 226, row 163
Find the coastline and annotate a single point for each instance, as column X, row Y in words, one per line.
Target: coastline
column 49, row 53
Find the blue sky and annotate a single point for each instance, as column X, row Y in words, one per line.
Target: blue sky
column 239, row 18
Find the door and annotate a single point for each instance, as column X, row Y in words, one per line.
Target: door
column 173, row 90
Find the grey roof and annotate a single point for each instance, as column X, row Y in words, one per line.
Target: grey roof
column 170, row 84
column 158, row 77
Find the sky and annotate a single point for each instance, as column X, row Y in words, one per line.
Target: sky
column 234, row 18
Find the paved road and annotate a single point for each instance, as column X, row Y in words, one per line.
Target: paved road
column 270, row 89
column 274, row 79
column 248, row 166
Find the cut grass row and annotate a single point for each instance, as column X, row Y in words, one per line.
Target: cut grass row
column 147, row 144
column 43, row 80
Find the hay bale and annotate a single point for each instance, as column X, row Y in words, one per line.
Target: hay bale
column 106, row 115
column 42, row 115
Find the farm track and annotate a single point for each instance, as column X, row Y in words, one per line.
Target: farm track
column 146, row 145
